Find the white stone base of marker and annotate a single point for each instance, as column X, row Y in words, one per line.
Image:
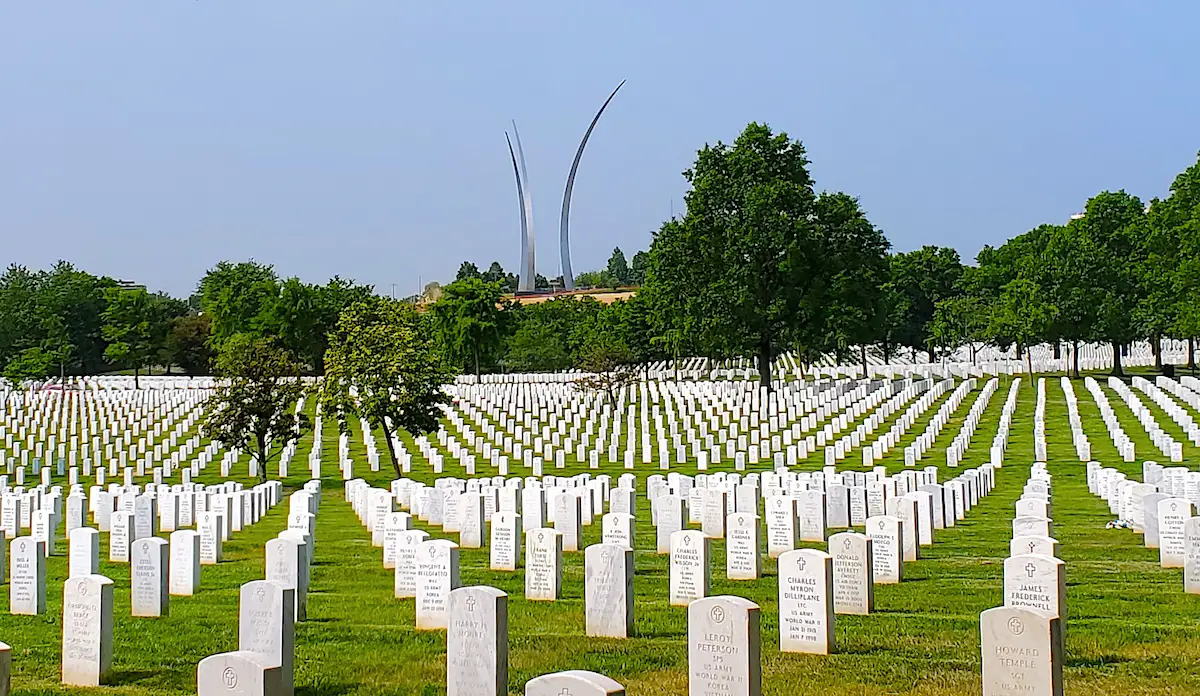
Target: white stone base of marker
column 887, row 549
column 1191, row 565
column 1037, row 583
column 1022, row 653
column 405, row 573
column 806, row 617
column 27, row 577
column 743, row 558
column 477, row 642
column 543, row 565
column 576, row 682
column 87, row 630
column 1034, row 544
column 724, row 647
column 689, row 568
column 238, row 673
column 184, row 580
column 266, row 626
column 287, row 565
column 608, row 590
column 83, row 552
column 437, row 575
column 148, row 571
column 853, row 570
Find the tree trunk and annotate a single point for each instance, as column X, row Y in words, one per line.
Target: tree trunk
column 1075, row 357
column 1057, row 350
column 387, row 437
column 262, row 456
column 887, row 350
column 764, row 361
column 863, row 350
column 1117, row 370
column 1191, row 354
column 476, row 352
column 1156, row 349
column 136, row 385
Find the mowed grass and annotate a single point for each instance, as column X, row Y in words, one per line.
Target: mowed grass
column 1131, row 629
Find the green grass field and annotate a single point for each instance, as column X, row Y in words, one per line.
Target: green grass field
column 1131, row 628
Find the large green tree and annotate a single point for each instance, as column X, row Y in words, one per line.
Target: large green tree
column 132, row 327
column 236, row 297
column 918, row 280
column 470, row 323
column 383, row 365
column 747, row 269
column 618, row 267
column 253, row 407
column 855, row 297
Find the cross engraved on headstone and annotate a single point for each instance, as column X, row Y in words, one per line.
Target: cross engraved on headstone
column 800, row 563
column 1031, row 546
column 471, row 604
column 230, row 678
column 1030, row 569
column 717, row 614
column 1016, row 626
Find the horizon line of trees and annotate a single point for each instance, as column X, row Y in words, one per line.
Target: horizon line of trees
column 760, row 264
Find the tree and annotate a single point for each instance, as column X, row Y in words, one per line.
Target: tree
column 237, row 297
column 253, row 407
column 31, row 363
column 594, row 279
column 1022, row 315
column 540, row 282
column 855, row 302
column 469, row 321
column 607, row 366
column 384, row 366
column 468, row 271
column 918, row 280
column 618, row 269
column 130, row 327
column 1114, row 228
column 536, row 347
column 745, row 270
column 187, row 344
column 637, row 268
column 960, row 321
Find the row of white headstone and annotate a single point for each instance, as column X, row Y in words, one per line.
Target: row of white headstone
column 158, row 569
column 1160, row 508
column 268, row 611
column 1021, row 642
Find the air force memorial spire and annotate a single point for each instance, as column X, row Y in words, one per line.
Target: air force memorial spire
column 528, row 268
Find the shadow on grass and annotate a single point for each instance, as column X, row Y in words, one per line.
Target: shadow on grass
column 326, row 689
column 1095, row 662
column 126, row 677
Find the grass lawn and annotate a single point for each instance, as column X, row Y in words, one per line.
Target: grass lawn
column 1131, row 629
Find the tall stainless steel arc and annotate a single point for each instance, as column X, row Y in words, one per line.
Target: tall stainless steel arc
column 524, row 223
column 528, row 269
column 564, row 241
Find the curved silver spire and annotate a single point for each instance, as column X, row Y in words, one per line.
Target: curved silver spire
column 564, row 242
column 521, row 201
column 528, row 270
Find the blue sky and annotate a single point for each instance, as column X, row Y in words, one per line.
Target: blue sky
column 150, row 139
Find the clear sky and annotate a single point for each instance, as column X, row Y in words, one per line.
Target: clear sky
column 150, row 139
